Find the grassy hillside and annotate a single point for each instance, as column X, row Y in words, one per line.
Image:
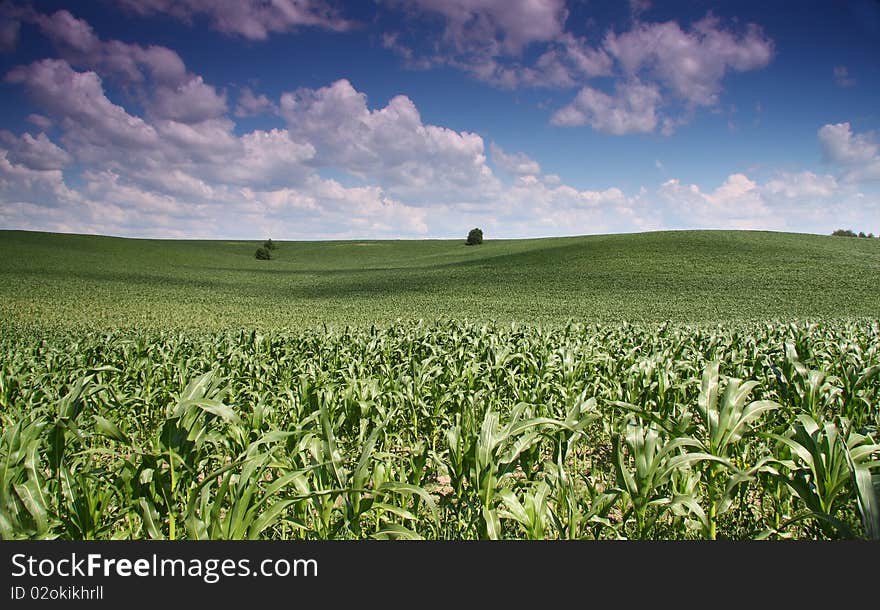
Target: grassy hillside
column 71, row 281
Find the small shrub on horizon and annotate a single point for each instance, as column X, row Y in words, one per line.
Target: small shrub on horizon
column 475, row 237
column 262, row 254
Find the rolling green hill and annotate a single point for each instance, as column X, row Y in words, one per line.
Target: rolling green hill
column 73, row 281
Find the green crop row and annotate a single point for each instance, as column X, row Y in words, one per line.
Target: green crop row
column 448, row 430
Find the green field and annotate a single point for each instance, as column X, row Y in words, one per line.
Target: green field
column 682, row 385
column 72, row 281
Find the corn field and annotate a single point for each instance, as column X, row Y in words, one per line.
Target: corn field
column 450, row 430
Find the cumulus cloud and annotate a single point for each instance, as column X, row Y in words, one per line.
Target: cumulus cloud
column 515, row 163
column 68, row 31
column 367, row 208
column 183, row 168
column 175, row 203
column 43, row 122
column 734, row 204
column 250, row 104
column 271, row 158
column 206, row 142
column 470, row 26
column 190, row 102
column 632, row 109
column 168, row 89
column 38, row 153
column 113, row 204
column 566, row 62
column 477, row 34
column 132, row 63
column 486, row 38
column 584, row 60
column 661, row 71
column 161, row 177
column 184, row 131
column 690, row 64
column 790, row 201
column 16, row 178
column 802, row 186
column 107, row 186
column 389, row 144
column 489, row 38
column 661, row 66
column 168, row 177
column 840, row 145
column 249, row 19
column 36, row 199
column 78, row 100
column 857, row 154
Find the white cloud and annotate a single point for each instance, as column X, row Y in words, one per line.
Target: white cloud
column 510, row 25
column 566, row 62
column 250, row 104
column 43, row 122
column 515, row 164
column 207, row 142
column 190, row 102
column 690, row 64
column 632, row 109
column 174, row 203
column 857, row 154
column 271, row 158
column 735, row 204
column 38, row 153
column 543, row 206
column 802, row 186
column 132, row 63
column 840, row 145
column 173, row 92
column 184, row 169
column 662, row 66
column 253, row 20
column 179, row 184
column 652, row 64
column 17, row 179
column 368, row 207
column 586, row 61
column 489, row 38
column 799, row 202
column 67, row 30
column 158, row 176
column 106, row 186
column 78, row 100
column 389, row 144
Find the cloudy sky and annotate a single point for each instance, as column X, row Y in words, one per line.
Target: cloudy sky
column 318, row 119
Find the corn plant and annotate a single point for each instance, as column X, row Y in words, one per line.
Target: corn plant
column 726, row 419
column 442, row 430
column 825, row 466
column 646, row 461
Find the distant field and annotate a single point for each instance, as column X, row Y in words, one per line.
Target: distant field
column 74, row 281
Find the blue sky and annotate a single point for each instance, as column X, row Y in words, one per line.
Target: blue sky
column 320, row 119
